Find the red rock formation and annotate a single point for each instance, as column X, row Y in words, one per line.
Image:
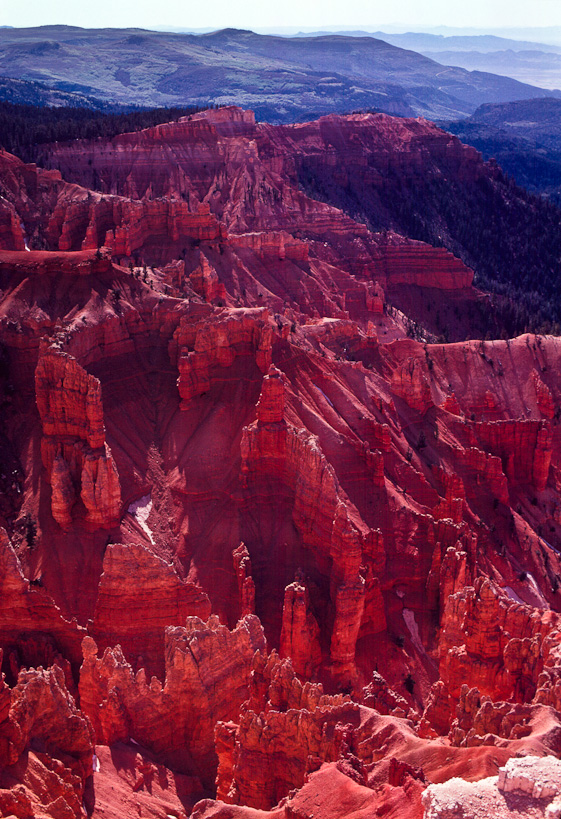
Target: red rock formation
column 299, row 725
column 215, row 346
column 33, row 630
column 137, row 225
column 41, row 208
column 73, row 448
column 323, row 519
column 544, row 399
column 524, row 446
column 140, row 594
column 207, row 670
column 68, row 399
column 300, row 632
column 272, row 401
column 418, row 264
column 492, row 643
column 40, row 713
column 260, row 391
column 41, row 708
column 485, row 468
column 277, row 244
column 225, row 173
column 204, row 281
column 377, row 694
column 451, row 404
column 410, row 382
column 246, row 586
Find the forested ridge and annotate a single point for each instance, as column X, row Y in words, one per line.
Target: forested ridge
column 24, row 129
column 509, row 236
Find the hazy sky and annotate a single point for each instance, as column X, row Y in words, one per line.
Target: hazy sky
column 266, row 14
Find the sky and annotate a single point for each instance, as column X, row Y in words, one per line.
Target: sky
column 264, row 14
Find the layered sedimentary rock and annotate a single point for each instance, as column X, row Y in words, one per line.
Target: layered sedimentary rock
column 140, row 594
column 271, row 447
column 525, row 447
column 39, row 713
column 276, row 244
column 377, row 694
column 75, row 455
column 246, row 586
column 410, row 382
column 223, row 189
column 205, row 282
column 485, row 468
column 493, row 643
column 417, row 264
column 41, row 708
column 33, row 629
column 41, row 209
column 203, row 350
column 296, row 725
column 300, row 632
column 207, row 669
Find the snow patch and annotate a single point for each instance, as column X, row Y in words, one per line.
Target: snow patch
column 513, row 596
column 538, row 591
column 411, row 624
column 22, row 226
column 96, row 764
column 325, row 396
column 553, row 549
column 140, row 510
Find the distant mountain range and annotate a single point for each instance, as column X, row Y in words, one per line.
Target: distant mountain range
column 424, row 41
column 282, row 79
column 531, row 62
column 527, row 61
